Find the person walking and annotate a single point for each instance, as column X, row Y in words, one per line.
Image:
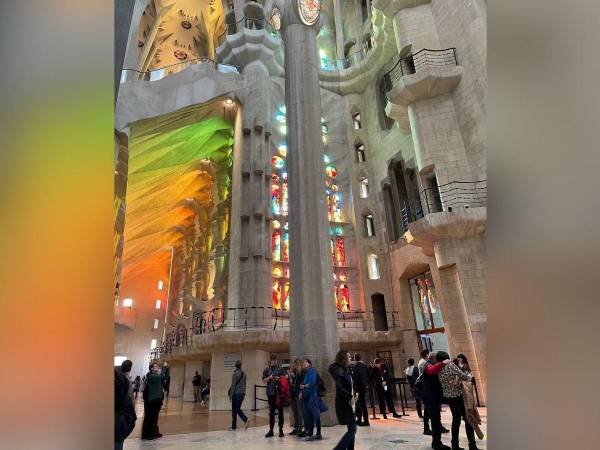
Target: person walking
column 166, row 374
column 361, row 384
column 204, row 392
column 339, row 371
column 311, row 402
column 196, row 382
column 270, row 377
column 452, row 389
column 432, row 396
column 153, row 396
column 237, row 392
column 412, row 373
column 125, row 415
column 383, row 389
column 136, row 386
column 295, row 376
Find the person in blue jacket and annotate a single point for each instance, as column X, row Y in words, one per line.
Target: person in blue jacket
column 311, row 401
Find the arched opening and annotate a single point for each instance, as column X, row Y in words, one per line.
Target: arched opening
column 360, row 152
column 379, row 312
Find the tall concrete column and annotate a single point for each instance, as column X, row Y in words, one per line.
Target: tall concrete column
column 338, row 19
column 313, row 323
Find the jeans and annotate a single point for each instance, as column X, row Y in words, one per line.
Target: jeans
column 362, row 414
column 150, row 424
column 457, row 407
column 312, row 415
column 433, row 407
column 118, row 445
column 347, row 440
column 272, row 408
column 297, row 413
column 236, row 409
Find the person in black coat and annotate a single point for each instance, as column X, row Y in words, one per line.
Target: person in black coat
column 383, row 388
column 125, row 416
column 343, row 399
column 360, row 378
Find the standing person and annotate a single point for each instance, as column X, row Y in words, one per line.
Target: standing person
column 311, row 401
column 361, row 384
column 383, row 388
column 412, row 373
column 237, row 392
column 343, row 399
column 432, row 396
column 271, row 377
column 153, row 396
column 426, row 428
column 295, row 378
column 463, row 363
column 125, row 416
column 204, row 392
column 196, row 382
column 453, row 393
column 136, row 386
column 166, row 374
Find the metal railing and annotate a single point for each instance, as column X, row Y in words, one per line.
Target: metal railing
column 250, row 23
column 349, row 61
column 446, row 197
column 413, row 63
column 128, row 75
column 267, row 318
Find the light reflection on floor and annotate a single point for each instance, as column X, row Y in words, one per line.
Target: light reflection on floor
column 187, row 425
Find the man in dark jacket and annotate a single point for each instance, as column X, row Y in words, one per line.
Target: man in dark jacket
column 432, row 396
column 125, row 416
column 383, row 388
column 166, row 374
column 153, row 398
column 343, row 399
column 237, row 392
column 196, row 383
column 361, row 384
column 271, row 377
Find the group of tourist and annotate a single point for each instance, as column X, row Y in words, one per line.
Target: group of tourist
column 434, row 381
column 437, row 380
column 154, row 386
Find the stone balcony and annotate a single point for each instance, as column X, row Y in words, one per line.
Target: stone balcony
column 425, row 74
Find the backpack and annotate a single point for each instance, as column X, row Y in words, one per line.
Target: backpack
column 320, row 386
column 284, row 391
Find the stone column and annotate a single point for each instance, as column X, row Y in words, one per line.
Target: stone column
column 253, row 363
column 339, row 29
column 313, row 320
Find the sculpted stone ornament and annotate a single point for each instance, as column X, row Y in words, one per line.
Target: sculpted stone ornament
column 309, row 11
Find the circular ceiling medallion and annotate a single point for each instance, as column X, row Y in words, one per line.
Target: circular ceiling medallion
column 187, row 25
column 180, row 54
column 276, row 18
column 309, row 10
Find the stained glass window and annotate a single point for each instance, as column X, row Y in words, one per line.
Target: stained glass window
column 280, row 237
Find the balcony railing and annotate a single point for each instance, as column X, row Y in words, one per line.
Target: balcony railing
column 268, row 318
column 128, row 75
column 250, row 24
column 446, row 197
column 414, row 63
column 344, row 63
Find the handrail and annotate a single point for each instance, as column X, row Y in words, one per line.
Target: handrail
column 266, row 318
column 412, row 63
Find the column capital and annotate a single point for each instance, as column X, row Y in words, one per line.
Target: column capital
column 300, row 12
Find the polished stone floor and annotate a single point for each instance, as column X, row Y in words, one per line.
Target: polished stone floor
column 187, row 426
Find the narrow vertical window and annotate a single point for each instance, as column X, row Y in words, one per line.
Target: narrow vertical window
column 364, row 187
column 372, row 267
column 155, row 324
column 369, row 225
column 153, row 344
column 360, row 153
column 157, row 304
column 356, row 121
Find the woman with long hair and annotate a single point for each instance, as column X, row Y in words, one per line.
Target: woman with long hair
column 295, row 378
column 343, row 399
